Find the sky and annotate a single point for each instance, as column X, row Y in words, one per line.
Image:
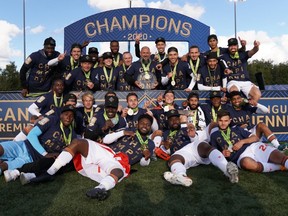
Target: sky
column 265, row 21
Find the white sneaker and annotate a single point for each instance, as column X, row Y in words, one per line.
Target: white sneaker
column 232, row 171
column 178, row 179
column 25, row 178
column 11, row 175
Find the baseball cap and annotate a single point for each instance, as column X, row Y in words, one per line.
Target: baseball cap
column 68, row 108
column 160, row 39
column 50, row 41
column 86, row 58
column 93, row 50
column 107, row 55
column 214, row 94
column 70, row 97
column 111, row 101
column 147, row 116
column 172, row 113
column 232, row 41
column 171, row 49
column 212, row 55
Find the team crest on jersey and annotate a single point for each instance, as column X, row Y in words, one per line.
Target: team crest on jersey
column 68, row 76
column 41, row 99
column 198, row 77
column 44, row 121
column 28, row 60
column 92, row 122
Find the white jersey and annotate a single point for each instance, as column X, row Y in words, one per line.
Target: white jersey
column 99, row 162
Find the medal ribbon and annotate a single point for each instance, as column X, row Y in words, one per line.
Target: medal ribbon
column 89, row 115
column 66, row 140
column 116, row 62
column 146, row 68
column 72, row 62
column 159, row 57
column 144, row 144
column 194, row 69
column 108, row 79
column 214, row 114
column 172, row 134
column 107, row 118
column 95, row 65
column 235, row 56
column 56, row 101
column 87, row 75
column 174, row 71
column 227, row 136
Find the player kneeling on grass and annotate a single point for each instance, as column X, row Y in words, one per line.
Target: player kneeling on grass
column 112, row 164
column 193, row 154
column 243, row 148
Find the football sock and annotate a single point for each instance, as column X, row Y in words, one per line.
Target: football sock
column 275, row 143
column 63, row 159
column 270, row 167
column 107, row 183
column 218, row 160
column 178, row 168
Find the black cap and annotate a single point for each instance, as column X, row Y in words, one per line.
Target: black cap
column 68, row 108
column 93, row 50
column 146, row 116
column 172, row 112
column 50, row 41
column 214, row 94
column 107, row 55
column 86, row 58
column 193, row 94
column 171, row 49
column 70, row 97
column 232, row 41
column 212, row 36
column 160, row 39
column 111, row 101
column 212, row 55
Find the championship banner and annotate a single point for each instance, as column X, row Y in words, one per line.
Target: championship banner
column 125, row 24
column 14, row 114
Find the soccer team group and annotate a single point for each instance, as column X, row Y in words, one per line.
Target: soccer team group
column 69, row 131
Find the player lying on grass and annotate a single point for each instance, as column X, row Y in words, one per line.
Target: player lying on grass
column 242, row 147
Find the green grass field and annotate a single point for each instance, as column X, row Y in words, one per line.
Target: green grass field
column 145, row 192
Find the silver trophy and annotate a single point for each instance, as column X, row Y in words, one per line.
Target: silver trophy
column 147, row 80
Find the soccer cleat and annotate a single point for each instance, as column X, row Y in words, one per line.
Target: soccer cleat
column 97, row 193
column 11, row 175
column 178, row 179
column 25, row 178
column 283, row 147
column 232, row 171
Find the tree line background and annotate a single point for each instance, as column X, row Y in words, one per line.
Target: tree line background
column 272, row 74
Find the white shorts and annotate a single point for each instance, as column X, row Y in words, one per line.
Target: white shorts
column 244, row 86
column 98, row 163
column 258, row 151
column 191, row 155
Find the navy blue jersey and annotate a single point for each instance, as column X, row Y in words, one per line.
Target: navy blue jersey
column 236, row 135
column 179, row 140
column 136, row 69
column 211, row 112
column 220, row 51
column 87, row 116
column 159, row 57
column 77, row 81
column 67, row 65
column 40, row 74
column 159, row 115
column 109, row 82
column 132, row 121
column 182, row 74
column 121, row 84
column 52, row 138
column 94, row 130
column 238, row 66
column 46, row 102
column 243, row 116
column 210, row 78
column 132, row 147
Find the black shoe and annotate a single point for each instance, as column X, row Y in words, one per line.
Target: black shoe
column 97, row 193
column 43, row 178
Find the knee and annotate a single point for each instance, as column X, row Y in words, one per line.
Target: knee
column 118, row 173
column 204, row 149
column 251, row 165
column 176, row 158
